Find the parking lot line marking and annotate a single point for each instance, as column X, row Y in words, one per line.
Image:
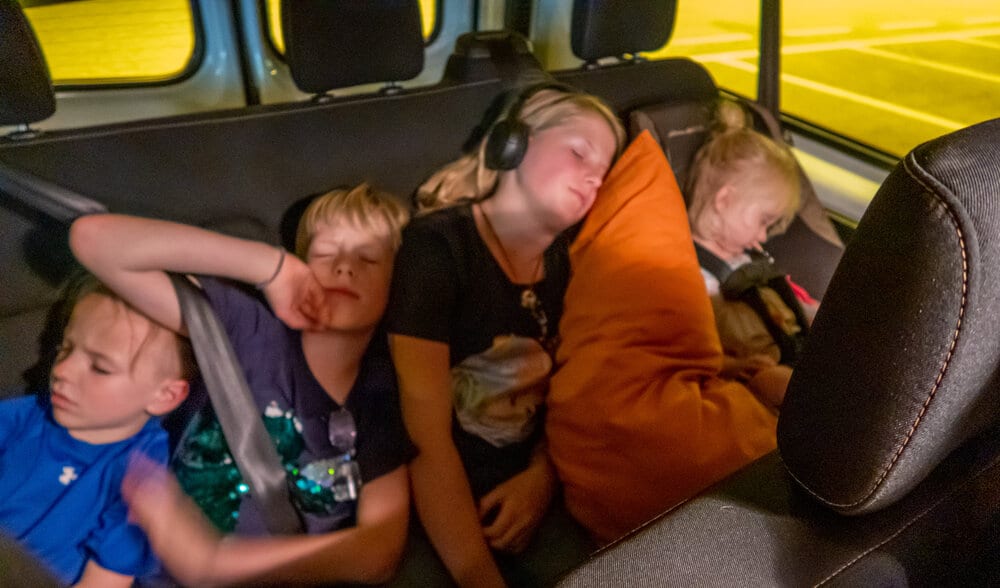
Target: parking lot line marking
column 902, row 26
column 962, row 71
column 710, row 39
column 817, row 31
column 914, row 38
column 858, row 98
column 979, row 43
column 981, row 20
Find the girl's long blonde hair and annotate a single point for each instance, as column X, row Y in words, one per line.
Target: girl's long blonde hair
column 468, row 178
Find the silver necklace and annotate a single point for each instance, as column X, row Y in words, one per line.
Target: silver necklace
column 529, row 299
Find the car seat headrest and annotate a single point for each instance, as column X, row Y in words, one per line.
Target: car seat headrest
column 491, row 55
column 902, row 363
column 612, row 29
column 333, row 44
column 26, row 93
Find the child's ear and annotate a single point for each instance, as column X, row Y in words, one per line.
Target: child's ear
column 723, row 198
column 169, row 396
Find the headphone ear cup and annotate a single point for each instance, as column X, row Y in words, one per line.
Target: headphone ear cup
column 506, row 145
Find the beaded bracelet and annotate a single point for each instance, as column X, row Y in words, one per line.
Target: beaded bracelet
column 277, row 270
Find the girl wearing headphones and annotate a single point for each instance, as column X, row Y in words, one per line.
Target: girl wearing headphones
column 473, row 320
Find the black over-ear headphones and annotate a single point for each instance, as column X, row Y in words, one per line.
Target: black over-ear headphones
column 507, row 141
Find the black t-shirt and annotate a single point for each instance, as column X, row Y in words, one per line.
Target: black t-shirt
column 448, row 287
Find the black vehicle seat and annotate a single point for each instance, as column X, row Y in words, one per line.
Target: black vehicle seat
column 889, row 438
column 341, row 43
column 27, row 95
column 491, row 55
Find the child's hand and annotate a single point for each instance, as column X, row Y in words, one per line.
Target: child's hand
column 518, row 505
column 769, row 385
column 151, row 494
column 179, row 534
column 296, row 296
column 745, row 368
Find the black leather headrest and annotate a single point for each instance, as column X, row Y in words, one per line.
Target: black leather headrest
column 26, row 94
column 339, row 43
column 490, row 55
column 612, row 29
column 902, row 363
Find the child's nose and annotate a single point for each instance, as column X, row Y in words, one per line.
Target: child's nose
column 62, row 367
column 344, row 266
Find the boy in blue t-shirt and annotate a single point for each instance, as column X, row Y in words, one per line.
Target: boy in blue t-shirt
column 63, row 455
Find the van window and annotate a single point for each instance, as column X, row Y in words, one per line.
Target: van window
column 428, row 15
column 886, row 73
column 89, row 42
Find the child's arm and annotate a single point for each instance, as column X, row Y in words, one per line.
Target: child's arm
column 94, row 576
column 197, row 555
column 441, row 488
column 130, row 255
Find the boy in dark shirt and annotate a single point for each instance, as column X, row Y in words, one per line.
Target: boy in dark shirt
column 314, row 377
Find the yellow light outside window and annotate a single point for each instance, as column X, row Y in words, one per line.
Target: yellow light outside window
column 114, row 41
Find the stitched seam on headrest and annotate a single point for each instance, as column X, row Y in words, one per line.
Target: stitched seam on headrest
column 964, row 484
column 944, row 367
column 907, row 162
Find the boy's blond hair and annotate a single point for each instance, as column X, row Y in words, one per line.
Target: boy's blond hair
column 736, row 154
column 468, row 177
column 362, row 206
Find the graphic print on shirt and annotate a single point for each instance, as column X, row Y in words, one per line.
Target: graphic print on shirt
column 68, row 475
column 499, row 392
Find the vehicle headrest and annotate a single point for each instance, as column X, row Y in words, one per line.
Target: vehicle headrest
column 680, row 127
column 612, row 29
column 26, row 93
column 490, row 55
column 333, row 44
column 902, row 363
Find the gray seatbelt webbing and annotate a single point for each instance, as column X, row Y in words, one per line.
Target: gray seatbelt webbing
column 249, row 443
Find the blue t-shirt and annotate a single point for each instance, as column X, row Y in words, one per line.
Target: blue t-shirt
column 61, row 497
column 290, row 399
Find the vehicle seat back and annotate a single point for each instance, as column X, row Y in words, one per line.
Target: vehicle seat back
column 902, row 364
column 325, row 38
column 603, row 29
column 27, row 94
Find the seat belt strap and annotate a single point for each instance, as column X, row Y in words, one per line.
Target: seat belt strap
column 712, row 263
column 250, row 445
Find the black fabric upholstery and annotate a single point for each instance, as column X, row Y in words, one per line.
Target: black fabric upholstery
column 612, row 28
column 26, row 93
column 901, row 366
column 491, row 55
column 629, row 86
column 339, row 43
column 758, row 528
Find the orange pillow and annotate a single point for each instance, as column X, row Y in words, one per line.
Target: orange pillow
column 637, row 418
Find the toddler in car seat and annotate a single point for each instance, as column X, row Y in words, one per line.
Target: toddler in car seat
column 63, row 454
column 744, row 187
